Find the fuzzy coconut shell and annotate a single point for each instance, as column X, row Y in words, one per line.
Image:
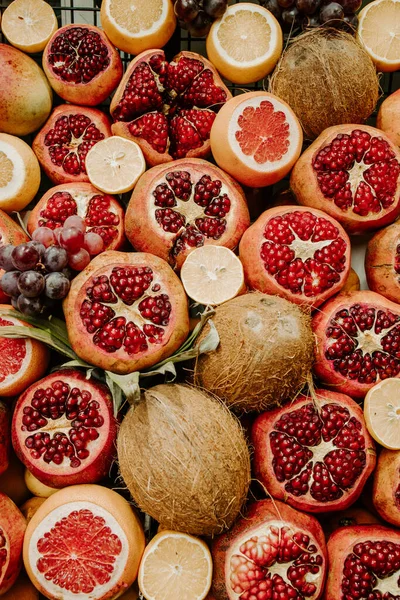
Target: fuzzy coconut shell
column 265, row 353
column 184, row 459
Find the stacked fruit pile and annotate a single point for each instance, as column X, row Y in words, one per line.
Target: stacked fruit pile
column 172, row 339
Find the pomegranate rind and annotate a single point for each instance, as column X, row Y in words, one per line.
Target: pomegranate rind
column 263, row 457
column 10, row 233
column 147, row 235
column 257, row 276
column 54, row 172
column 12, row 525
column 323, row 368
column 92, row 469
column 22, row 589
column 382, row 264
column 105, row 503
column 228, row 153
column 99, row 87
column 388, row 118
column 82, row 193
column 304, row 183
column 263, row 512
column 5, row 437
column 341, row 544
column 120, row 362
column 347, row 518
column 386, row 486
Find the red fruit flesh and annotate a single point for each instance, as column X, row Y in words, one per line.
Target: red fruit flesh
column 10, row 233
column 63, row 142
column 168, row 108
column 63, row 429
column 364, row 564
column 316, row 455
column 386, row 486
column 102, row 213
column 126, row 311
column 82, row 65
column 171, row 212
column 382, row 262
column 272, row 552
column 5, row 437
column 12, row 529
column 299, row 253
column 352, row 173
column 358, row 337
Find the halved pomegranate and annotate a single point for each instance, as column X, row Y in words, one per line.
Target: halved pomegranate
column 364, row 564
column 5, row 437
column 103, row 214
column 382, row 262
column 354, row 515
column 176, row 208
column 168, row 108
column 126, row 311
column 81, row 64
column 10, row 233
column 358, row 342
column 63, row 429
column 299, row 253
column 12, row 530
column 65, row 139
column 316, row 453
column 386, row 487
column 273, row 552
column 352, row 172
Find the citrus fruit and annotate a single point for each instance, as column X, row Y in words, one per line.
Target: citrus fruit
column 212, row 275
column 12, row 529
column 134, row 26
column 85, row 541
column 382, row 413
column 29, row 507
column 256, row 138
column 29, row 24
column 175, row 565
column 19, row 173
column 36, row 487
column 115, row 164
column 23, row 361
column 379, row 32
column 245, row 43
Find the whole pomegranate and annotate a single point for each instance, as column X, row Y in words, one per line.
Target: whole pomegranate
column 299, row 253
column 357, row 335
column 63, row 142
column 10, row 233
column 352, row 172
column 81, row 64
column 274, row 551
column 315, row 453
column 12, row 530
column 388, row 118
column 5, row 437
column 126, row 311
column 168, row 108
column 364, row 563
column 176, row 208
column 355, row 515
column 386, row 486
column 102, row 213
column 382, row 262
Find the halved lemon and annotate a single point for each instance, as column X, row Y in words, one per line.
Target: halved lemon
column 175, row 565
column 379, row 32
column 382, row 413
column 137, row 25
column 212, row 275
column 114, row 165
column 19, row 173
column 29, row 24
column 245, row 43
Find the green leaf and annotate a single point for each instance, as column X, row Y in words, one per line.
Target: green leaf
column 22, row 331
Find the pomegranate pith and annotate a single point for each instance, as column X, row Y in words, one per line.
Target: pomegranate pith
column 12, row 530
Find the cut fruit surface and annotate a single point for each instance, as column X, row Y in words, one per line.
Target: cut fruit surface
column 246, row 43
column 379, row 32
column 212, row 275
column 29, row 24
column 382, row 413
column 19, row 173
column 115, row 164
column 175, row 565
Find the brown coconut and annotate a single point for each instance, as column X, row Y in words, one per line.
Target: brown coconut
column 265, row 353
column 327, row 78
column 184, row 458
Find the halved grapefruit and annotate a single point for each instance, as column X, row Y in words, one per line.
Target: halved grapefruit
column 12, row 529
column 256, row 138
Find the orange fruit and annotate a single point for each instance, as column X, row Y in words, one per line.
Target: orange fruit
column 19, row 173
column 29, row 24
column 382, row 413
column 29, row 507
column 85, row 541
column 245, row 43
column 23, row 361
column 36, row 487
column 136, row 25
column 175, row 565
column 379, row 32
column 256, row 138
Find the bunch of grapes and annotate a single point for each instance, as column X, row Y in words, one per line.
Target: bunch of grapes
column 197, row 15
column 296, row 14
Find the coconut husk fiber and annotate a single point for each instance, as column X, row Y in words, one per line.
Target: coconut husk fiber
column 328, row 79
column 265, row 353
column 184, row 458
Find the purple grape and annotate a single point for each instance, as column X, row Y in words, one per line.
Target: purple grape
column 186, row 10
column 291, row 18
column 9, row 283
column 331, row 14
column 310, row 21
column 308, row 7
column 352, row 22
column 39, row 247
column 31, row 284
column 25, row 257
column 57, row 286
column 215, row 8
column 29, row 306
column 286, row 3
column 5, row 257
column 55, row 258
column 350, row 6
column 201, row 25
column 273, row 7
